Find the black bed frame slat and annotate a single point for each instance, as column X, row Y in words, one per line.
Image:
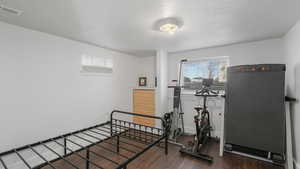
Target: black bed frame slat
column 66, row 155
column 76, row 153
column 49, row 140
column 118, row 129
column 63, row 158
column 43, row 158
column 99, row 155
column 3, row 164
column 20, row 156
column 137, row 138
column 99, row 146
column 111, row 143
column 120, row 140
column 119, row 136
column 91, row 130
column 146, row 133
column 139, row 153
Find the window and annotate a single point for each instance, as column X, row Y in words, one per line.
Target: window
column 96, row 64
column 195, row 71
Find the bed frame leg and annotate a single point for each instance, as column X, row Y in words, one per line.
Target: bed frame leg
column 118, row 143
column 166, row 145
column 65, row 146
column 111, row 129
column 87, row 157
column 167, row 126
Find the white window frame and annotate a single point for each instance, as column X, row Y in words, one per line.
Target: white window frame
column 93, row 59
column 199, row 59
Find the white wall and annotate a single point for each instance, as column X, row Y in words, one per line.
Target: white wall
column 292, row 56
column 146, row 68
column 43, row 93
column 268, row 51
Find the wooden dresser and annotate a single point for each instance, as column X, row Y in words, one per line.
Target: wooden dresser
column 144, row 103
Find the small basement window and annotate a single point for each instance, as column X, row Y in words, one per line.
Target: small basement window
column 96, row 64
column 195, row 71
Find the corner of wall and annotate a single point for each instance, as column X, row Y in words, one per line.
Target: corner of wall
column 291, row 56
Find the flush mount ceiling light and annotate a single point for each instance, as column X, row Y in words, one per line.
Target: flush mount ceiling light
column 168, row 25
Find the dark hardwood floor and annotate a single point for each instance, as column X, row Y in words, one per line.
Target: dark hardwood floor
column 156, row 159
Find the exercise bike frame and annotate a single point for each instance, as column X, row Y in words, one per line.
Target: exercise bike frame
column 203, row 127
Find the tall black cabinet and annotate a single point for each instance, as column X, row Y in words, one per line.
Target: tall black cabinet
column 255, row 110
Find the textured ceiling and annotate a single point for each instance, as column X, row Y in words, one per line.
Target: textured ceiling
column 127, row 25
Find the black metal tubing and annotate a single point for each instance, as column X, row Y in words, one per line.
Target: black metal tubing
column 290, row 99
column 137, row 128
column 65, row 144
column 109, row 143
column 99, row 146
column 20, row 156
column 135, row 114
column 63, row 158
column 137, row 133
column 43, row 158
column 117, row 136
column 133, row 137
column 76, row 153
column 99, row 133
column 87, row 163
column 136, row 139
column 138, row 124
column 99, row 155
column 69, row 154
column 118, row 144
column 140, row 130
column 2, row 162
column 164, row 136
column 49, row 140
column 123, row 165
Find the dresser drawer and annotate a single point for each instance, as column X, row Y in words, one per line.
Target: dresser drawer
column 144, row 103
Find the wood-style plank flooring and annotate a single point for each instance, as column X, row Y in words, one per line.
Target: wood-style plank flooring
column 156, row 159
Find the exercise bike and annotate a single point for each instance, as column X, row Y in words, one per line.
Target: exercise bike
column 202, row 123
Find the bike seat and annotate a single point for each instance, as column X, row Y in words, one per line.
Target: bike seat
column 198, row 108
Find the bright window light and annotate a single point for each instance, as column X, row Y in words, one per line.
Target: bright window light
column 195, row 71
column 96, row 64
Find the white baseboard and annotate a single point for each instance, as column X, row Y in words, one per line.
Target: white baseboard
column 297, row 165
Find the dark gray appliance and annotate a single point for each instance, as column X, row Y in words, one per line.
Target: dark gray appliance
column 255, row 110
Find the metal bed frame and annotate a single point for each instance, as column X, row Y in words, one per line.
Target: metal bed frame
column 114, row 133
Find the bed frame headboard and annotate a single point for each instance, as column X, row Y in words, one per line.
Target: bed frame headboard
column 136, row 131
